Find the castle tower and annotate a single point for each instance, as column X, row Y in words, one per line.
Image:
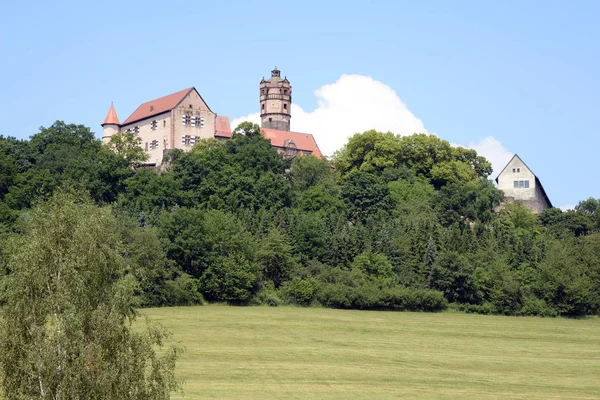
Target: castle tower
column 275, row 102
column 111, row 124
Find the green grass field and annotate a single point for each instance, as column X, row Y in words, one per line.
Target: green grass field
column 309, row 353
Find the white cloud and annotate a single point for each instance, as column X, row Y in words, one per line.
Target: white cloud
column 357, row 103
column 354, row 103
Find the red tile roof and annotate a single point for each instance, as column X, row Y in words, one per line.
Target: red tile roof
column 303, row 141
column 223, row 128
column 111, row 117
column 158, row 106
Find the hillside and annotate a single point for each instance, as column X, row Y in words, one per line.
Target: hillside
column 390, row 223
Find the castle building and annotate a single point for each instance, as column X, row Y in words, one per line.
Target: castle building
column 275, row 102
column 176, row 121
column 519, row 183
column 276, row 115
column 181, row 119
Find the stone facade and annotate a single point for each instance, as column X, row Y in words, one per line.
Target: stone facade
column 176, row 121
column 519, row 183
column 275, row 102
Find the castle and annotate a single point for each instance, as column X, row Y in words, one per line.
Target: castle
column 181, row 119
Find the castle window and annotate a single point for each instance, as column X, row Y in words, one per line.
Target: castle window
column 516, row 184
column 191, row 106
column 186, row 140
column 164, row 123
column 263, row 106
column 186, row 119
column 146, row 146
column 136, row 130
column 153, row 125
column 284, row 106
column 154, row 144
column 270, row 119
column 285, row 91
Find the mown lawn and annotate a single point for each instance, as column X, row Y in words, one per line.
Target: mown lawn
column 309, row 353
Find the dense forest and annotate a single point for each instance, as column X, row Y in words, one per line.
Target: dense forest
column 390, row 223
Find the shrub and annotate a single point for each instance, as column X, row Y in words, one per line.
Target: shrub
column 183, row 291
column 268, row 297
column 300, row 291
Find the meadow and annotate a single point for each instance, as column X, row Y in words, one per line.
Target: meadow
column 313, row 353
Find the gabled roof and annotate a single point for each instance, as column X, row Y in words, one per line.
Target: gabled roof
column 538, row 183
column 111, row 117
column 223, row 127
column 303, row 141
column 160, row 105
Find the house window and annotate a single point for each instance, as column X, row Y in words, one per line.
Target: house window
column 164, row 123
column 136, row 130
column 153, row 125
column 514, row 170
column 154, row 144
column 186, row 119
column 191, row 106
column 189, row 140
column 146, row 146
column 198, row 121
column 526, row 184
column 516, row 184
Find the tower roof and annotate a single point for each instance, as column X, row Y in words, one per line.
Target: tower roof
column 275, row 75
column 111, row 117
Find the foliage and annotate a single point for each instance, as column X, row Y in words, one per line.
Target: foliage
column 129, row 147
column 66, row 330
column 393, row 222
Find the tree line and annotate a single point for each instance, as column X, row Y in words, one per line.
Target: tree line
column 390, row 223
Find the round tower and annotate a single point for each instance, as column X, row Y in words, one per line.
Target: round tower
column 111, row 124
column 275, row 102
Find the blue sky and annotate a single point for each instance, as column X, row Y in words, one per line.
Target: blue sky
column 522, row 73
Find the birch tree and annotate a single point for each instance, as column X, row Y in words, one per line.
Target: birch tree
column 66, row 331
